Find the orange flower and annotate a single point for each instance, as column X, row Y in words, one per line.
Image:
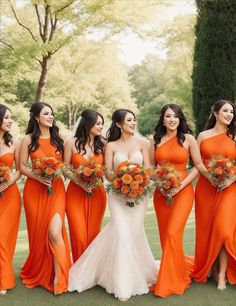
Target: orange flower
column 127, row 179
column 125, row 189
column 87, row 171
column 117, row 183
column 139, row 178
column 134, row 185
column 218, row 171
column 132, row 194
column 136, row 170
column 140, row 190
column 49, row 171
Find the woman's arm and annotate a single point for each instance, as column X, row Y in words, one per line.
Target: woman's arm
column 152, row 153
column 145, row 151
column 16, row 174
column 109, row 161
column 24, row 157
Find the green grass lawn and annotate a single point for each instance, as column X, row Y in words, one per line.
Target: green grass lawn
column 196, row 295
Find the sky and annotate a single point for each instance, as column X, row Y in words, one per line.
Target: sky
column 132, row 49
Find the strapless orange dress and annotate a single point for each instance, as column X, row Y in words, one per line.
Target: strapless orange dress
column 10, row 206
column 40, row 208
column 215, row 214
column 84, row 214
column 175, row 268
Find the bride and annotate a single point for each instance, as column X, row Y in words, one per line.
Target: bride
column 119, row 259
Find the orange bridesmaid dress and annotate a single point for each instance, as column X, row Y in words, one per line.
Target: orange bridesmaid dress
column 84, row 214
column 40, row 208
column 175, row 268
column 10, row 206
column 215, row 214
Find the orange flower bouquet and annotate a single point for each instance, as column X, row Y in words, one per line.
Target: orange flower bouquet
column 166, row 178
column 90, row 174
column 5, row 174
column 48, row 167
column 131, row 181
column 220, row 169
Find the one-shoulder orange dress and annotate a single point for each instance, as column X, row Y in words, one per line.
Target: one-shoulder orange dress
column 84, row 214
column 10, row 206
column 175, row 268
column 215, row 214
column 40, row 208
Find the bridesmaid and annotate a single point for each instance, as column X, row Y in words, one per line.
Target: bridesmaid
column 85, row 214
column 10, row 202
column 215, row 214
column 48, row 261
column 173, row 143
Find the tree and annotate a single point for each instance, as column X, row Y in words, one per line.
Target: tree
column 214, row 72
column 158, row 81
column 91, row 76
column 52, row 24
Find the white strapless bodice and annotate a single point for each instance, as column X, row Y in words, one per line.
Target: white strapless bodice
column 136, row 157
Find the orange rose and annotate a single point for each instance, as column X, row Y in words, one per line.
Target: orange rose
column 134, row 185
column 117, row 183
column 87, row 171
column 138, row 178
column 127, row 179
column 218, row 171
column 132, row 194
column 140, row 190
column 49, row 171
column 136, row 170
column 125, row 189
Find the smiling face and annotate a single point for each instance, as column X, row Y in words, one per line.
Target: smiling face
column 129, row 123
column 170, row 120
column 96, row 130
column 225, row 115
column 7, row 121
column 46, row 117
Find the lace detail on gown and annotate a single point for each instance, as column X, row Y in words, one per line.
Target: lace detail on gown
column 119, row 258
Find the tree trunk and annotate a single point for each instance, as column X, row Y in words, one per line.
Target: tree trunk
column 43, row 78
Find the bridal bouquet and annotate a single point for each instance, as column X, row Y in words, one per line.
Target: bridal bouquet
column 5, row 173
column 131, row 181
column 220, row 169
column 166, row 178
column 90, row 174
column 48, row 167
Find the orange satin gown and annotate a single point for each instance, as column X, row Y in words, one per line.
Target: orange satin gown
column 175, row 268
column 10, row 206
column 40, row 208
column 215, row 214
column 84, row 214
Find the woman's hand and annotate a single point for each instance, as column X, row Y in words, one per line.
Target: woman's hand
column 5, row 184
column 44, row 180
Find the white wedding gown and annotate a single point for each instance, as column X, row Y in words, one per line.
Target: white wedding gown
column 119, row 259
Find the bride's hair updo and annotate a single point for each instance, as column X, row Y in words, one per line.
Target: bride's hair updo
column 118, row 117
column 183, row 128
column 212, row 118
column 34, row 130
column 88, row 119
column 7, row 137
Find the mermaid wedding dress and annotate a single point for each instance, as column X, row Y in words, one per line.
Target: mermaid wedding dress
column 119, row 259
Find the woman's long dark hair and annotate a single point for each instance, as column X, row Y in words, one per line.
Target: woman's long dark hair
column 114, row 132
column 33, row 128
column 183, row 128
column 89, row 118
column 212, row 118
column 7, row 137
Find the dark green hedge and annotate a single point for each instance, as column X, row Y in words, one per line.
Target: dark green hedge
column 214, row 70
